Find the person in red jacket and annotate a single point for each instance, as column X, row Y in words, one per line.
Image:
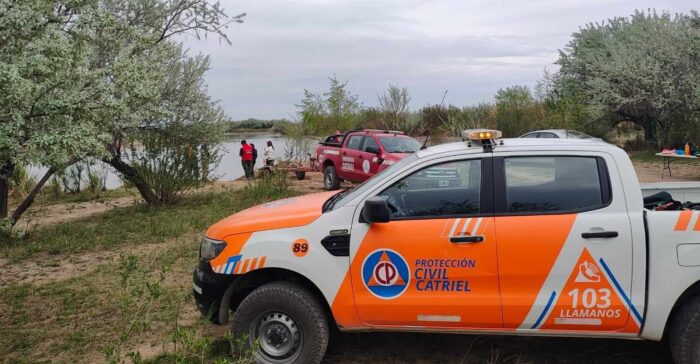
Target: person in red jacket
column 246, row 154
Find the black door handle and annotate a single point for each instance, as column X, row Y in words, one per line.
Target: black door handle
column 600, row 234
column 467, row 239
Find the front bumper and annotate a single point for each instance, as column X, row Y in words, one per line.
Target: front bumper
column 208, row 289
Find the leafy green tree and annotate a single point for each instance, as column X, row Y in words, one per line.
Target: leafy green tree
column 644, row 68
column 565, row 105
column 517, row 111
column 337, row 109
column 82, row 77
column 50, row 90
column 394, row 106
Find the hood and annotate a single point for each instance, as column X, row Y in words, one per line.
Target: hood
column 395, row 156
column 290, row 212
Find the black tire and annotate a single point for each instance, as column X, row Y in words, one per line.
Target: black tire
column 684, row 335
column 292, row 301
column 300, row 175
column 331, row 181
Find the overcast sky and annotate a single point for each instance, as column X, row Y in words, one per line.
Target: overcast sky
column 470, row 48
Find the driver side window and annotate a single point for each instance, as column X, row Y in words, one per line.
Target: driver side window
column 445, row 189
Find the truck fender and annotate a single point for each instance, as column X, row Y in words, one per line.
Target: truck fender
column 689, row 293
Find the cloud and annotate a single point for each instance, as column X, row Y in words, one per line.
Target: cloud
column 471, row 48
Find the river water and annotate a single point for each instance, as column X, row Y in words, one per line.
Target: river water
column 228, row 169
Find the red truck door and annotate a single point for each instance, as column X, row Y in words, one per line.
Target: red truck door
column 367, row 162
column 350, row 169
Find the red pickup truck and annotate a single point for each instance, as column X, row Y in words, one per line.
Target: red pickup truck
column 360, row 154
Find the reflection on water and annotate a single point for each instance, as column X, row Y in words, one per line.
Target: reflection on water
column 228, row 169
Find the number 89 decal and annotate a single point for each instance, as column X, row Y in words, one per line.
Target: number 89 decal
column 300, row 247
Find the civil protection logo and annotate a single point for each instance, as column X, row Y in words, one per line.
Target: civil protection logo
column 385, row 273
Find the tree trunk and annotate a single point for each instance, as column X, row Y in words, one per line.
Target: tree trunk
column 6, row 170
column 29, row 200
column 130, row 174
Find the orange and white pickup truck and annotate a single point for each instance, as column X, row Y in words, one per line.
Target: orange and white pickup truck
column 539, row 237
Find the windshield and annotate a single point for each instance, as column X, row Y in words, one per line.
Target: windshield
column 400, row 144
column 349, row 195
column 577, row 135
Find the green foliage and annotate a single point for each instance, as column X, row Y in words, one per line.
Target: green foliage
column 83, row 78
column 273, row 125
column 270, row 186
column 517, row 111
column 325, row 113
column 21, row 182
column 394, row 108
column 170, row 169
column 644, row 69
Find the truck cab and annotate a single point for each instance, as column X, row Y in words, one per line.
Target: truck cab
column 527, row 237
column 360, row 154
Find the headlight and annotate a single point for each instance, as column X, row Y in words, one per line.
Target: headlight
column 210, row 248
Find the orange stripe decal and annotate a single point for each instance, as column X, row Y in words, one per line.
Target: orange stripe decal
column 697, row 224
column 245, row 266
column 253, row 263
column 262, row 261
column 683, row 221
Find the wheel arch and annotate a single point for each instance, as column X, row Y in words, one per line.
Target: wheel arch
column 685, row 297
column 327, row 163
column 245, row 284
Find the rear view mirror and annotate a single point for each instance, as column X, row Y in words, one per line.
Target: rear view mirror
column 375, row 210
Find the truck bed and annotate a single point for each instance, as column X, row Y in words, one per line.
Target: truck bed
column 681, row 191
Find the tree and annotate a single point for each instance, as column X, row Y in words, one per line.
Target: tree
column 159, row 91
column 644, row 69
column 516, row 110
column 394, row 106
column 79, row 77
column 184, row 118
column 50, row 91
column 337, row 109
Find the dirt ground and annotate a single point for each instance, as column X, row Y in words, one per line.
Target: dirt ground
column 649, row 172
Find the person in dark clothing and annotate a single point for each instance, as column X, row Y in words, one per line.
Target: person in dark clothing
column 255, row 154
column 246, row 154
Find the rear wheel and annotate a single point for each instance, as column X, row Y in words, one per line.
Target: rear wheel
column 330, row 179
column 285, row 321
column 684, row 335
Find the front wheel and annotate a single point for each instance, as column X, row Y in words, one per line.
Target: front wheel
column 331, row 181
column 284, row 322
column 684, row 337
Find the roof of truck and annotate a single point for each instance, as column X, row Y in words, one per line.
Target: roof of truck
column 515, row 144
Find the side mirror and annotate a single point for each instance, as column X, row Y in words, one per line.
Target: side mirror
column 373, row 150
column 375, row 210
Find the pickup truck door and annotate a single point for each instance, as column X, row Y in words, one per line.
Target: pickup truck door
column 349, row 155
column 366, row 162
column 564, row 244
column 434, row 264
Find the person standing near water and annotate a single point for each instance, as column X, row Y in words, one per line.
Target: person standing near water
column 246, row 154
column 269, row 154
